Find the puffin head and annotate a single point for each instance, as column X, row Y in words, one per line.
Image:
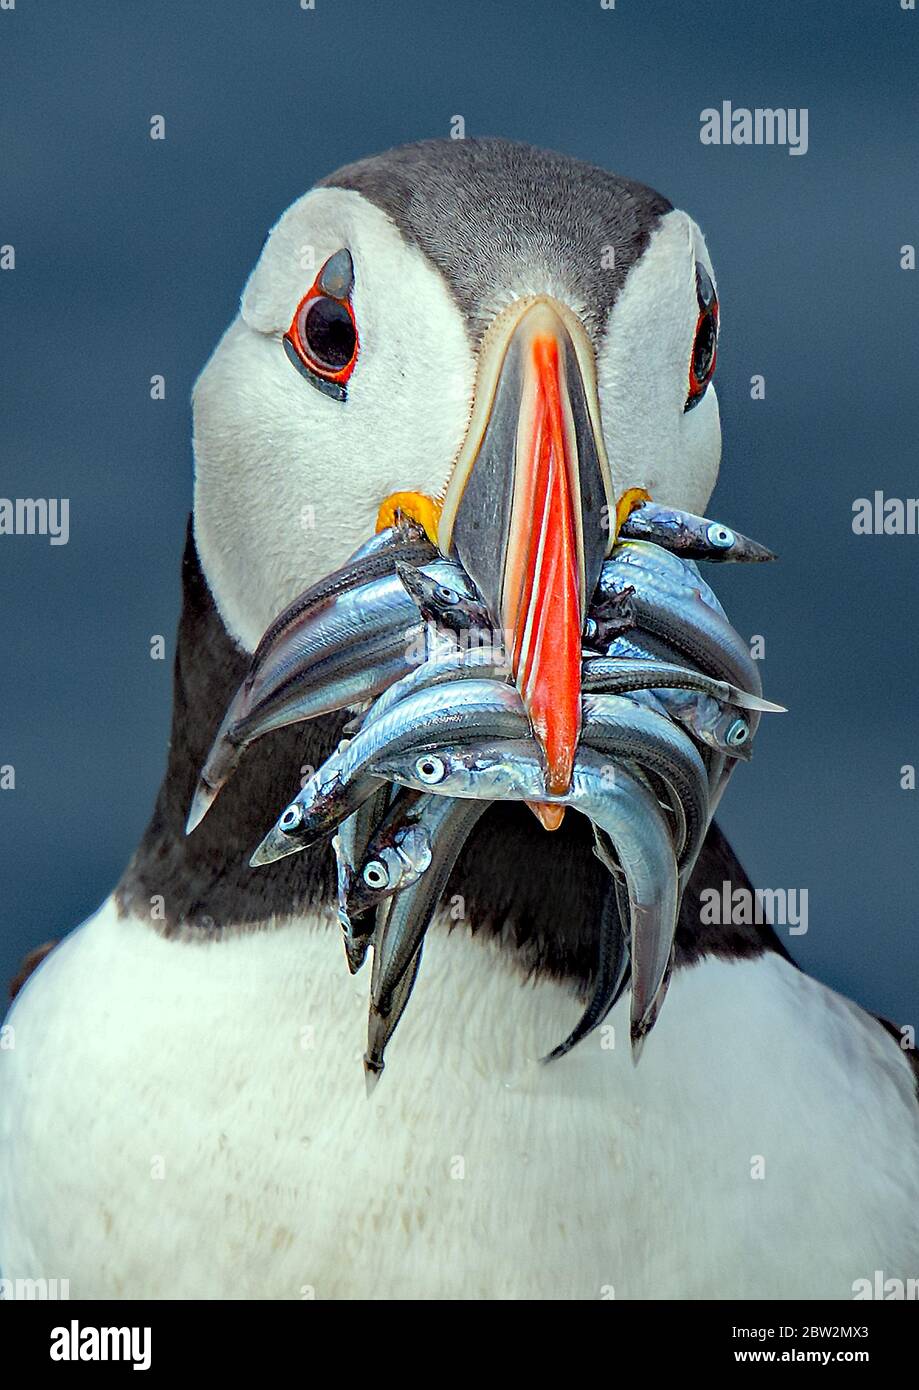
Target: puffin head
column 495, row 339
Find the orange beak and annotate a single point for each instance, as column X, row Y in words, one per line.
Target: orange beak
column 528, row 511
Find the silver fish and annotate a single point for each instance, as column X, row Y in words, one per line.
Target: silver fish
column 612, row 974
column 613, row 971
column 473, row 709
column 399, row 938
column 447, row 607
column 627, row 732
column 638, row 670
column 451, row 713
column 722, row 717
column 373, row 559
column 622, row 807
column 381, row 1026
column 406, row 532
column 442, row 666
column 693, row 537
column 350, row 846
column 690, row 627
column 398, row 852
column 346, row 649
column 649, row 567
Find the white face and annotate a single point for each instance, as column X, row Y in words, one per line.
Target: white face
column 642, row 371
column 288, row 481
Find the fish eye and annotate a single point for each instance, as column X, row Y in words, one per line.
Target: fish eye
column 291, row 818
column 719, row 535
column 446, row 595
column 322, row 340
column 738, row 733
column 430, row 768
column 376, row 874
column 705, row 342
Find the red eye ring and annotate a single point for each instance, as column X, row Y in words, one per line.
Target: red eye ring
column 322, row 340
column 705, row 340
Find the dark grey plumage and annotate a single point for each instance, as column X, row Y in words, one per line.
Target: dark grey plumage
column 484, row 211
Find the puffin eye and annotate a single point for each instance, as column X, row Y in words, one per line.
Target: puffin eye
column 721, row 536
column 322, row 339
column 376, row 874
column 430, row 768
column 705, row 343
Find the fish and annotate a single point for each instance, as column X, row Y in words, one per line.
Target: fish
column 441, row 667
column 612, row 724
column 462, row 710
column 465, row 710
column 724, row 719
column 626, row 732
column 344, row 650
column 350, row 846
column 692, row 537
column 399, row 938
column 624, row 809
column 613, row 970
column 699, row 634
column 723, row 728
column 446, row 607
column 613, row 973
column 398, row 852
column 609, row 674
column 649, row 567
column 639, row 670
column 381, row 1026
column 715, row 712
column 375, row 558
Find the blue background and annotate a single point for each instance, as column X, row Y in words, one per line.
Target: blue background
column 131, row 253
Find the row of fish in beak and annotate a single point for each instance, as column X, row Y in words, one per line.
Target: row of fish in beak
column 671, row 700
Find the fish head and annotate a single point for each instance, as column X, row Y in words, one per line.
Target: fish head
column 735, row 730
column 720, row 542
column 448, row 600
column 485, row 769
column 314, row 812
column 389, row 866
column 724, row 728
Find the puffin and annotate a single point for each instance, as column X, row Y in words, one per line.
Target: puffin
column 182, row 1106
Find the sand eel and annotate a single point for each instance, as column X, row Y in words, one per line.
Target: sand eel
column 183, row 1113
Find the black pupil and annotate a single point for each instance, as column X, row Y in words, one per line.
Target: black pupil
column 704, row 350
column 328, row 332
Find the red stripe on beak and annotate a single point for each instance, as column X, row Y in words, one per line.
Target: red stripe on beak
column 542, row 603
column 525, row 512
